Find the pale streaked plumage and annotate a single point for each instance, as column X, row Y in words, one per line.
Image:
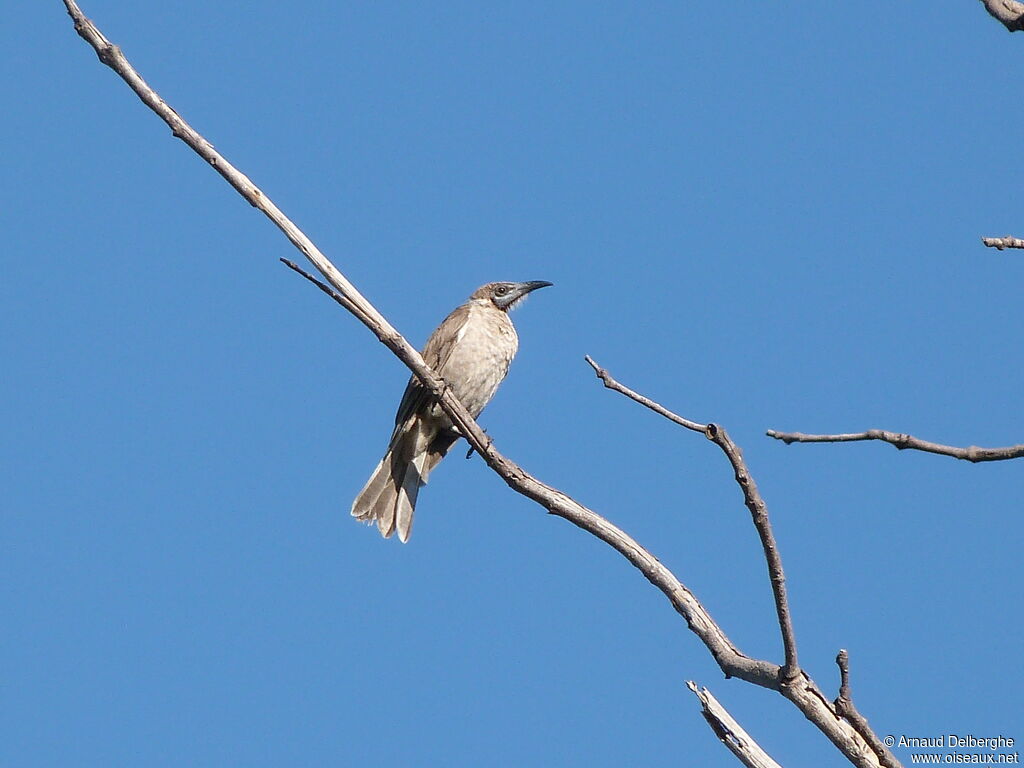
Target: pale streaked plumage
column 471, row 350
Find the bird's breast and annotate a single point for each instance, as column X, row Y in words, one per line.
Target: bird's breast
column 480, row 357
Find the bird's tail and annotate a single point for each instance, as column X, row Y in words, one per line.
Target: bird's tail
column 389, row 496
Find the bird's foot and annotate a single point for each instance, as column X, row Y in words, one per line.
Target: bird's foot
column 472, row 450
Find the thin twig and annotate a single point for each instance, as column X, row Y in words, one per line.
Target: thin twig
column 320, row 284
column 610, row 383
column 999, row 243
column 1009, row 13
column 902, row 441
column 729, row 732
column 804, row 693
column 845, row 707
column 752, row 499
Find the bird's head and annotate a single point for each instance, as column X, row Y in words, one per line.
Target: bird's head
column 506, row 295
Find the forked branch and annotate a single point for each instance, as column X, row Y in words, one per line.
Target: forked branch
column 800, row 689
column 751, row 497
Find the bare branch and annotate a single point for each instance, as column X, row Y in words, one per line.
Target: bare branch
column 801, row 690
column 845, row 707
column 1009, row 13
column 759, row 514
column 611, row 383
column 729, row 732
column 752, row 499
column 972, row 453
column 999, row 243
column 320, row 284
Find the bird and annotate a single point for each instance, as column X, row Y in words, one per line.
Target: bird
column 471, row 351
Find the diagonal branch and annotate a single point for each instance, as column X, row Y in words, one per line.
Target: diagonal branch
column 801, row 690
column 972, row 453
column 752, row 499
column 999, row 243
column 729, row 732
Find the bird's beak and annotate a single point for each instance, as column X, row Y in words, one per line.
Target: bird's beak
column 524, row 289
column 533, row 285
column 520, row 292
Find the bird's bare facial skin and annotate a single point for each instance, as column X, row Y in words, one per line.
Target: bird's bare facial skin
column 502, row 295
column 507, row 295
column 516, row 301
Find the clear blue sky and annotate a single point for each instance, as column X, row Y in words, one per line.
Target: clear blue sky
column 763, row 216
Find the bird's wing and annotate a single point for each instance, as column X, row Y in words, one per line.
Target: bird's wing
column 435, row 354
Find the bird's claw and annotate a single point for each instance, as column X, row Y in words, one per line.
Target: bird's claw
column 472, row 450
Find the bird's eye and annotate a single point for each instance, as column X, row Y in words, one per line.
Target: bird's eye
column 501, row 290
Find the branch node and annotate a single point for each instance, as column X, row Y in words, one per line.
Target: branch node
column 108, row 53
column 754, row 503
column 902, row 441
column 600, row 372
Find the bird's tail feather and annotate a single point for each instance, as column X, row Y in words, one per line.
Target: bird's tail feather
column 407, row 493
column 389, row 496
column 363, row 505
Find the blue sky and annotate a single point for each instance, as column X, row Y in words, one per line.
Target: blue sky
column 768, row 221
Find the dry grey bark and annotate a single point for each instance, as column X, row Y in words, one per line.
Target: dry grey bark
column 845, row 707
column 902, row 441
column 1009, row 13
column 789, row 680
column 999, row 243
column 729, row 732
